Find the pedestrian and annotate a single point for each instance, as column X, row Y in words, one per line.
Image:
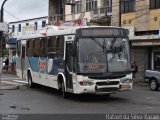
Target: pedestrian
column 134, row 70
column 6, row 63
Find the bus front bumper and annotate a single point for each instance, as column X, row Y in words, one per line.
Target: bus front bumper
column 103, row 89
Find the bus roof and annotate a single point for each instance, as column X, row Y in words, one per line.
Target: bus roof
column 57, row 30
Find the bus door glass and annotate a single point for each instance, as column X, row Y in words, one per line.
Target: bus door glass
column 69, row 62
column 18, row 59
column 23, row 60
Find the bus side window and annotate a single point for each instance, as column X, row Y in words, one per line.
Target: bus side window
column 43, row 47
column 29, row 49
column 56, row 47
column 60, row 46
column 51, row 47
column 36, row 47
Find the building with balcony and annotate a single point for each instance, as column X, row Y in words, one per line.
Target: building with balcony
column 56, row 11
column 144, row 17
column 75, row 12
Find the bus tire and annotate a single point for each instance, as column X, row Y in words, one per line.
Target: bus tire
column 154, row 84
column 64, row 93
column 30, row 83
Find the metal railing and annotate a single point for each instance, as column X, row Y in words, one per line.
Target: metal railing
column 58, row 17
column 96, row 13
column 103, row 11
column 70, row 2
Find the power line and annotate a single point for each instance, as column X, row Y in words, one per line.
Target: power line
column 12, row 15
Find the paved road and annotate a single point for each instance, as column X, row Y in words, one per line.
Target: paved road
column 43, row 100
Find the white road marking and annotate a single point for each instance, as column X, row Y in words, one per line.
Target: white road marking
column 15, row 82
column 25, row 82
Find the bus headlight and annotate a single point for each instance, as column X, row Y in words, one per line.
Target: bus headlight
column 86, row 83
column 125, row 80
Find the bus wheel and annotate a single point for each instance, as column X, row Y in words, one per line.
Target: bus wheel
column 153, row 85
column 64, row 93
column 30, row 83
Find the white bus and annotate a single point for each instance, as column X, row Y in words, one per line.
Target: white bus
column 92, row 60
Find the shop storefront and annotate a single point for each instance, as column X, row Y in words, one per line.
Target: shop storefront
column 11, row 46
column 147, row 55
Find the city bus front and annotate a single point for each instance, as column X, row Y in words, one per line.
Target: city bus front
column 103, row 60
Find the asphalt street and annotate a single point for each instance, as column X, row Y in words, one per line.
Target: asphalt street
column 44, row 100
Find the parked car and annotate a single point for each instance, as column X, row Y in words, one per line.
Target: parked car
column 153, row 78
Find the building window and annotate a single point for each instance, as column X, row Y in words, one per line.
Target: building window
column 91, row 5
column 155, row 18
column 36, row 25
column 154, row 4
column 19, row 28
column 124, row 22
column 13, row 28
column 108, row 2
column 127, row 6
column 77, row 8
column 94, row 4
column 157, row 60
column 107, row 5
column 44, row 23
column 27, row 24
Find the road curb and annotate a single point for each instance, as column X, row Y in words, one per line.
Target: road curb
column 4, row 86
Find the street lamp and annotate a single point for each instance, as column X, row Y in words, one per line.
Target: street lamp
column 2, row 10
column 1, row 37
column 120, row 13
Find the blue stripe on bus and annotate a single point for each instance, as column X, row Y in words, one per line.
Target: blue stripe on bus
column 37, row 65
column 34, row 63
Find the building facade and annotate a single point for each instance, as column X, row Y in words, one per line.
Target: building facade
column 20, row 28
column 141, row 17
column 144, row 17
column 17, row 28
column 75, row 12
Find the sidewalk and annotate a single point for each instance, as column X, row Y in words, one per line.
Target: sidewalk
column 7, row 85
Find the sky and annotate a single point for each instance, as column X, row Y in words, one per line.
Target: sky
column 16, row 10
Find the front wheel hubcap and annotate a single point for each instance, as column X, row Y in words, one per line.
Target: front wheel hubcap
column 153, row 85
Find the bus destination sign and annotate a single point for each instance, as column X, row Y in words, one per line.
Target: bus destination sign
column 99, row 32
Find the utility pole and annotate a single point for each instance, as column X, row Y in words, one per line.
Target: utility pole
column 119, row 13
column 1, row 39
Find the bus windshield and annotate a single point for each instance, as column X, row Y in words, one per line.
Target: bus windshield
column 99, row 55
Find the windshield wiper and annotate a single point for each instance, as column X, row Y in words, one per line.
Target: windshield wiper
column 96, row 41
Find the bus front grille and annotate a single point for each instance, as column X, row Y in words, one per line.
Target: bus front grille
column 107, row 83
column 107, row 90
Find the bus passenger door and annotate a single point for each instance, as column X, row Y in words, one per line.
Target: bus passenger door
column 69, row 65
column 23, row 61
